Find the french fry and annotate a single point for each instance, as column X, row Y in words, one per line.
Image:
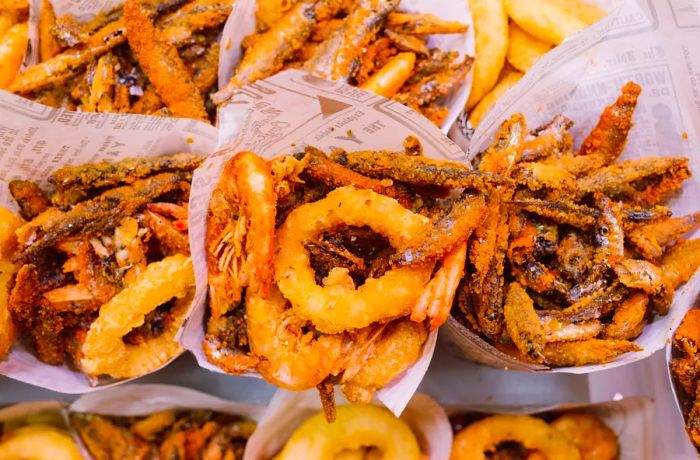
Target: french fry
column 390, row 78
column 491, row 34
column 524, row 49
column 508, row 79
column 544, row 19
column 48, row 46
column 12, row 47
column 587, row 12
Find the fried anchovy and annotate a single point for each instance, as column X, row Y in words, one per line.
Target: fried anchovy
column 448, row 230
column 29, row 197
column 127, row 171
column 339, row 57
column 417, row 170
column 92, row 215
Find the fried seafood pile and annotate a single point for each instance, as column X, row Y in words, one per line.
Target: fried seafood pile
column 367, row 43
column 578, row 254
column 153, row 57
column 103, row 274
column 333, row 268
column 685, row 367
column 169, row 434
column 570, row 436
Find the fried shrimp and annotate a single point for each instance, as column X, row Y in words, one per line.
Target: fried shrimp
column 399, row 346
column 473, row 442
column 240, row 232
column 339, row 307
column 289, row 356
column 162, row 64
column 104, row 351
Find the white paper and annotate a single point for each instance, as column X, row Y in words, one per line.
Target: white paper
column 632, row 420
column 283, row 115
column 242, row 22
column 658, row 46
column 35, row 140
column 288, row 410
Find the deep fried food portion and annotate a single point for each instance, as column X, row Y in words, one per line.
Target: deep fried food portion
column 399, row 346
column 681, row 262
column 7, row 326
column 591, row 436
column 104, row 352
column 423, row 24
column 31, row 199
column 92, row 215
column 522, row 323
column 654, row 239
column 552, row 140
column 610, row 134
column 161, row 63
column 591, row 351
column 128, row 171
column 687, row 336
column 535, row 434
column 416, row 170
column 9, row 223
column 628, row 320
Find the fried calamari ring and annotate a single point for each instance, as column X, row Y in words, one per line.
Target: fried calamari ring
column 37, row 442
column 105, row 353
column 337, row 308
column 474, row 441
column 355, row 426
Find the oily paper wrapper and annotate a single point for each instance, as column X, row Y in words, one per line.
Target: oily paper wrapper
column 139, row 400
column 288, row 410
column 35, row 140
column 677, row 391
column 282, row 115
column 242, row 22
column 658, row 46
column 632, row 420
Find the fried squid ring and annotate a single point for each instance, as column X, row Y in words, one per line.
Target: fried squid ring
column 474, row 441
column 337, row 308
column 104, row 352
column 355, row 426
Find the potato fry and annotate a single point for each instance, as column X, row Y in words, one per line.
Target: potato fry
column 587, row 12
column 544, row 19
column 48, row 46
column 9, row 223
column 491, row 34
column 508, row 79
column 12, row 47
column 524, row 49
column 390, row 78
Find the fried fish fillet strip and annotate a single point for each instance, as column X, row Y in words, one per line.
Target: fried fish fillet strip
column 270, row 50
column 523, row 324
column 417, row 170
column 584, row 352
column 338, row 58
column 112, row 34
column 610, row 134
column 127, row 171
column 423, row 24
column 162, row 64
column 92, row 215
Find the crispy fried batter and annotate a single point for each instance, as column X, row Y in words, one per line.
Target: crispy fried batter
column 583, row 352
column 29, row 197
column 654, row 239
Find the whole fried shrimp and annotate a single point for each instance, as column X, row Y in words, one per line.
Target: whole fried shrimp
column 289, row 356
column 240, row 232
